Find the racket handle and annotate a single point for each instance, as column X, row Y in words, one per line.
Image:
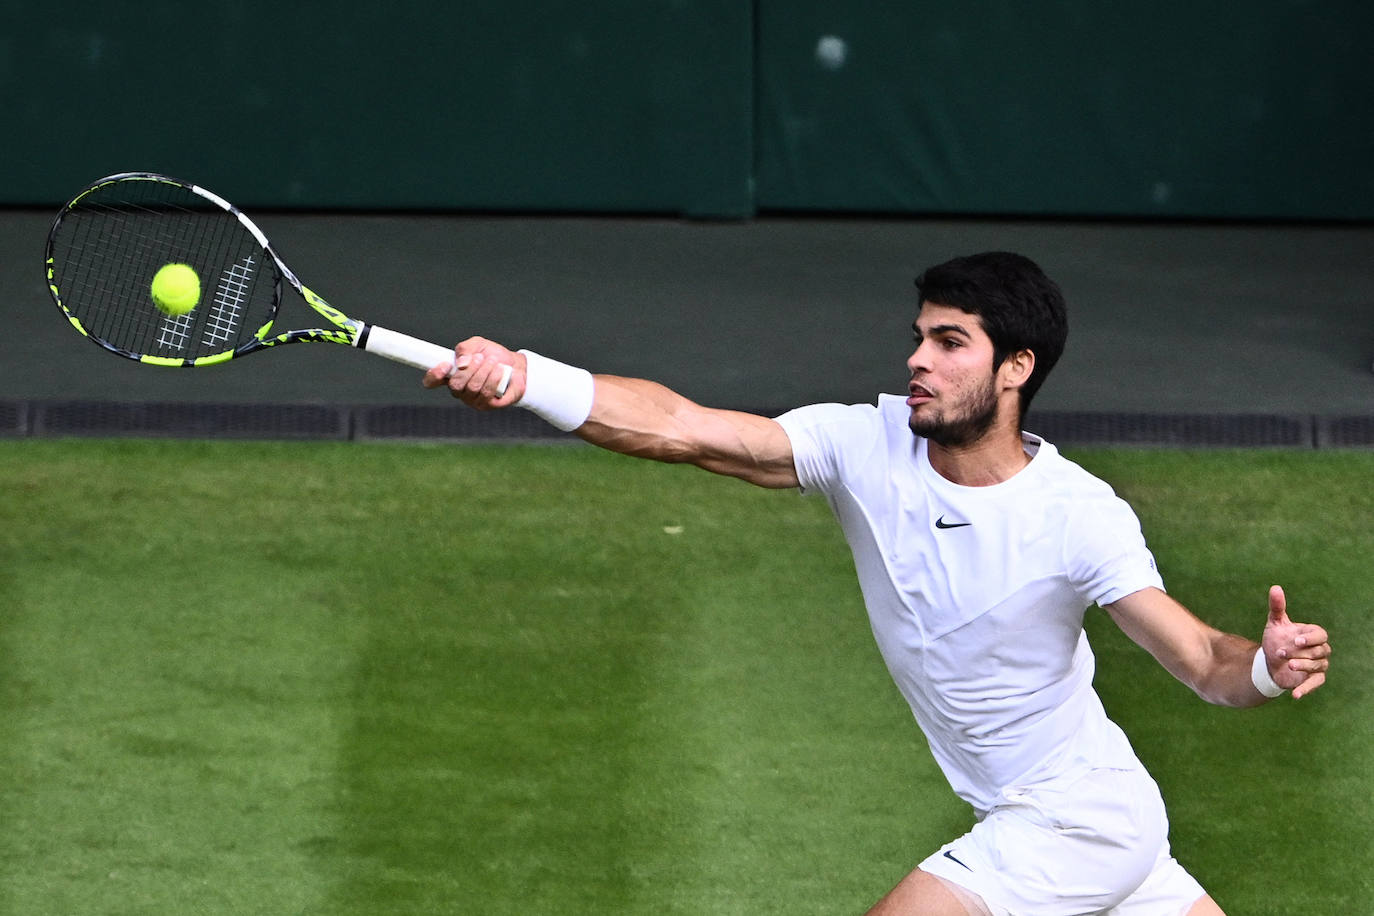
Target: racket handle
column 417, row 353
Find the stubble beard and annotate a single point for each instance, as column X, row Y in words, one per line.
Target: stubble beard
column 965, row 428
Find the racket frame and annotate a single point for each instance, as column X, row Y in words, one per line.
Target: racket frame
column 352, row 332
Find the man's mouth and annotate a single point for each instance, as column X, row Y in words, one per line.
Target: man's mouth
column 918, row 394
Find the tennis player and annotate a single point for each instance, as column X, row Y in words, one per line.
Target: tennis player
column 978, row 549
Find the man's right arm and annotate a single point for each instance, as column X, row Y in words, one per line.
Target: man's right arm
column 636, row 417
column 647, row 420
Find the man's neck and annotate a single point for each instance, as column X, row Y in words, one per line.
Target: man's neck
column 993, row 458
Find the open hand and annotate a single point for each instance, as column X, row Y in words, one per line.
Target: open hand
column 1298, row 654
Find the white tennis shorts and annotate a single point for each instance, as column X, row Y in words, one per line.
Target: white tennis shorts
column 1093, row 842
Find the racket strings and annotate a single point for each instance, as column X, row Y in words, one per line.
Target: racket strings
column 108, row 244
column 174, row 333
column 231, row 296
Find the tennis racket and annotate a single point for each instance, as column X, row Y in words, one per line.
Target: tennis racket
column 108, row 243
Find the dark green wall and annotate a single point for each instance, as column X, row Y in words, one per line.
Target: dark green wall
column 484, row 104
column 1167, row 108
column 705, row 107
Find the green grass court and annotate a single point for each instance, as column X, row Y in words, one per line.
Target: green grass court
column 354, row 679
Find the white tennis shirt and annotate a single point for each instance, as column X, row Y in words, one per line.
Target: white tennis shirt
column 976, row 595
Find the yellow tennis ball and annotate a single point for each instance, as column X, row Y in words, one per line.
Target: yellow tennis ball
column 176, row 288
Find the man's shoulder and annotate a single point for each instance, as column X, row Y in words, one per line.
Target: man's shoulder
column 850, row 418
column 834, row 442
column 1082, row 504
column 1067, row 497
column 1064, row 472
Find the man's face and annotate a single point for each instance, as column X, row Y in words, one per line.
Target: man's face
column 953, row 391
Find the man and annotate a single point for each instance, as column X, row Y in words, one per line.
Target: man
column 978, row 549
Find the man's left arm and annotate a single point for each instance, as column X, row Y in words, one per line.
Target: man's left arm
column 1221, row 667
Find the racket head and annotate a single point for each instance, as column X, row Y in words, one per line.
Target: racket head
column 106, row 245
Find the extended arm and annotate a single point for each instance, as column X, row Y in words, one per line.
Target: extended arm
column 646, row 420
column 1217, row 665
column 636, row 417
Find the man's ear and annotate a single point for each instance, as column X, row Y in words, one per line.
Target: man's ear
column 1017, row 368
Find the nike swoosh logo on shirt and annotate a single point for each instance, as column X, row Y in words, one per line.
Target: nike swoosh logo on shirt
column 941, row 523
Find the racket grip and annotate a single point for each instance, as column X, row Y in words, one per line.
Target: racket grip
column 417, row 353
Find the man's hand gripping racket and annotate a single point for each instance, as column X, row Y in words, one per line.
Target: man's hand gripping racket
column 484, row 375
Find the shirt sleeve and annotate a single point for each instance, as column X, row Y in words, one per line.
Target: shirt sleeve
column 823, row 436
column 1106, row 553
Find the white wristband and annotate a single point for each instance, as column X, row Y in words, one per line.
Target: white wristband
column 1259, row 675
column 557, row 392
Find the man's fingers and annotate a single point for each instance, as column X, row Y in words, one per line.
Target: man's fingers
column 1308, row 665
column 1278, row 605
column 481, row 374
column 469, row 373
column 1309, row 642
column 481, row 382
column 442, row 374
column 1309, row 685
column 437, row 376
column 1314, row 646
column 1312, row 635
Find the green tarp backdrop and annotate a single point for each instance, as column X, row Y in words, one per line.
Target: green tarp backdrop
column 713, row 108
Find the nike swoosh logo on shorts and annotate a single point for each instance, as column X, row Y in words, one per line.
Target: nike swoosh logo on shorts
column 949, row 855
column 941, row 523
